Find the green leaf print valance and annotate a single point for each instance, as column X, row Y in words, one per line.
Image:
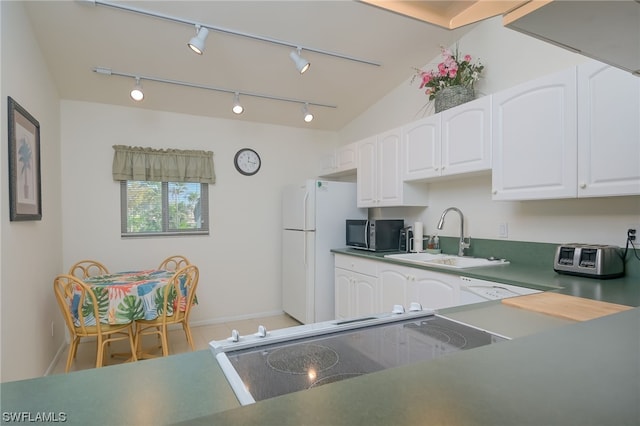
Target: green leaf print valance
column 162, row 165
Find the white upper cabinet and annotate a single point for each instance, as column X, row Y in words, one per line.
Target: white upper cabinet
column 421, row 148
column 456, row 141
column 535, row 139
column 367, row 186
column 379, row 173
column 341, row 161
column 608, row 131
column 388, row 171
column 466, row 138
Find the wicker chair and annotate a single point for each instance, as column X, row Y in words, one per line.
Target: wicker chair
column 88, row 268
column 180, row 308
column 173, row 263
column 71, row 294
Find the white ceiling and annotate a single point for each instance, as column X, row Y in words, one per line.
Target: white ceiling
column 76, row 36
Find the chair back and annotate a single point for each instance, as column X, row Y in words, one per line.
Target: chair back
column 178, row 295
column 78, row 304
column 88, row 268
column 173, row 263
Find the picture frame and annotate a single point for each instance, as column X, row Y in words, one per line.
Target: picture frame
column 25, row 186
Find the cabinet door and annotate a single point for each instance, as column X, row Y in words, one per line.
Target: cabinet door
column 364, row 296
column 535, row 139
column 342, row 283
column 421, row 149
column 367, row 176
column 389, row 181
column 393, row 286
column 608, row 131
column 433, row 290
column 466, row 137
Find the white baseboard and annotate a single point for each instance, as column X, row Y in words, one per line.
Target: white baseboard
column 56, row 358
column 221, row 320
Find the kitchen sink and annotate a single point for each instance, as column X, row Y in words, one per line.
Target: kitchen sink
column 446, row 260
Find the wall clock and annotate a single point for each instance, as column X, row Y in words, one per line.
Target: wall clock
column 247, row 161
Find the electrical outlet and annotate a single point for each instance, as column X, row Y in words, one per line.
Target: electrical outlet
column 631, row 234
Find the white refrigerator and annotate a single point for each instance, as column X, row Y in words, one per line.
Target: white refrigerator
column 313, row 222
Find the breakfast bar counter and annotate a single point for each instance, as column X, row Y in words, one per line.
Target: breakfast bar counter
column 586, row 373
column 554, row 372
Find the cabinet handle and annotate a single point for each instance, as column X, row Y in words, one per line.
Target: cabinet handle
column 583, row 185
column 494, row 192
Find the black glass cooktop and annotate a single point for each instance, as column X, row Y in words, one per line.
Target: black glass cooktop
column 282, row 368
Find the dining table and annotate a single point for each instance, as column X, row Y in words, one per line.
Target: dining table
column 124, row 297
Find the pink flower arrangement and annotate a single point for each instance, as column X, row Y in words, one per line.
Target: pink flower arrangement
column 451, row 72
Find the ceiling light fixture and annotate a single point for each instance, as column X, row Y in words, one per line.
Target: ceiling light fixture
column 302, row 65
column 237, row 108
column 127, row 8
column 136, row 93
column 197, row 43
column 308, row 117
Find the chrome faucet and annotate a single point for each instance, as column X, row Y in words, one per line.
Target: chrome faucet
column 463, row 245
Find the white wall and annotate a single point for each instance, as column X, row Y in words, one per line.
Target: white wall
column 31, row 251
column 240, row 260
column 510, row 58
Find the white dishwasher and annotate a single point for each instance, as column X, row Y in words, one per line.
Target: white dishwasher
column 473, row 290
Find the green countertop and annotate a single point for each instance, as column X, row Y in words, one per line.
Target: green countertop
column 554, row 372
column 151, row 392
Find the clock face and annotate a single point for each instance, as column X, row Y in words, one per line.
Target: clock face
column 247, row 161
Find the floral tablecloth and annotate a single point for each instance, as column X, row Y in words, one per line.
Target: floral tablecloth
column 124, row 297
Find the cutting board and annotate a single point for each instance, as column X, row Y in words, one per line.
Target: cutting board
column 563, row 306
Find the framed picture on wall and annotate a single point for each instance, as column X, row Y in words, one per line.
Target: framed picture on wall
column 25, row 197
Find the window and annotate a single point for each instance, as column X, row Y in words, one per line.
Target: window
column 164, row 208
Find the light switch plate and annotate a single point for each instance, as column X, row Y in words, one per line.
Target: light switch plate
column 503, row 230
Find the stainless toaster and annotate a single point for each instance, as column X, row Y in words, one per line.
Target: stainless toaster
column 589, row 260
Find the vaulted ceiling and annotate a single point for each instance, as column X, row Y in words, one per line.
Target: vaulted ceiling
column 77, row 36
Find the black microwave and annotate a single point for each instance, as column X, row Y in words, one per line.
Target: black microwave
column 374, row 235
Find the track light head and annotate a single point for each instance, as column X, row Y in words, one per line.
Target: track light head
column 302, row 65
column 237, row 107
column 136, row 93
column 197, row 43
column 308, row 117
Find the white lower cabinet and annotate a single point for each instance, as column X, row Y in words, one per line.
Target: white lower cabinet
column 402, row 285
column 356, row 287
column 365, row 287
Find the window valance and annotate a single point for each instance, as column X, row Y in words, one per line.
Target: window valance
column 162, row 165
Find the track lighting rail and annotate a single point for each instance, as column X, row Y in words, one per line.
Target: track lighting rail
column 210, row 27
column 138, row 77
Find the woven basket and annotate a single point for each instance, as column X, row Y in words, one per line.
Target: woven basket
column 451, row 96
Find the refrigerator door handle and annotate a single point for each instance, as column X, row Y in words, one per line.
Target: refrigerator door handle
column 304, row 210
column 304, row 251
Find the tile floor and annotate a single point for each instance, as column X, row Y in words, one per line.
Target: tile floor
column 202, row 335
